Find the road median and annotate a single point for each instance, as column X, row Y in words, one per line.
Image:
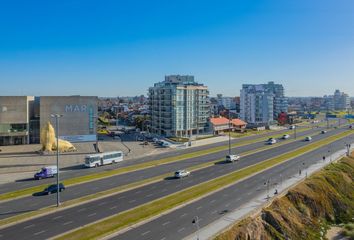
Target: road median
column 127, row 218
column 106, row 174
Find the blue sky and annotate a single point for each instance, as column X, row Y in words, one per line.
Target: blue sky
column 119, row 48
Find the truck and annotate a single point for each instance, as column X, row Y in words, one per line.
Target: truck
column 46, row 172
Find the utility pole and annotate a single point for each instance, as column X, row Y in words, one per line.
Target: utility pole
column 57, row 116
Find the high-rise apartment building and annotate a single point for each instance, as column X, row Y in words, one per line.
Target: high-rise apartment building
column 338, row 101
column 179, row 106
column 262, row 103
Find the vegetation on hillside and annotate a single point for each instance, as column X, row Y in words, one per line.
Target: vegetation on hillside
column 307, row 210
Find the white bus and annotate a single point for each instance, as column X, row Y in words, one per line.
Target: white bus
column 99, row 159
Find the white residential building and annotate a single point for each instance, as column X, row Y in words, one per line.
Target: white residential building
column 261, row 104
column 179, row 106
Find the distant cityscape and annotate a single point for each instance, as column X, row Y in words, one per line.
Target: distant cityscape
column 179, row 106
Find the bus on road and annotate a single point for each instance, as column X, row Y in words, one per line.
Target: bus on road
column 100, row 159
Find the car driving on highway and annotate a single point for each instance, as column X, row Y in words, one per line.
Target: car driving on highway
column 308, row 138
column 323, row 131
column 292, row 127
column 285, row 136
column 271, row 141
column 232, row 158
column 54, row 188
column 182, row 173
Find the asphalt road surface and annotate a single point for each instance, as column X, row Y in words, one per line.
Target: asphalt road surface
column 80, row 170
column 65, row 220
column 178, row 224
column 38, row 200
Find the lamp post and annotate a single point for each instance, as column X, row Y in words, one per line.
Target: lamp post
column 295, row 131
column 57, row 116
column 229, row 132
column 196, row 222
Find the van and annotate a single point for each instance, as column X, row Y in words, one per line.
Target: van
column 46, row 172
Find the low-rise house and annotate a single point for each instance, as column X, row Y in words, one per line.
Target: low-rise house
column 221, row 124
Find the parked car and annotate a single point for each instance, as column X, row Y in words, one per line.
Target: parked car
column 46, row 172
column 53, row 188
column 286, row 136
column 232, row 158
column 182, row 173
column 308, row 138
column 323, row 131
column 271, row 141
column 155, row 140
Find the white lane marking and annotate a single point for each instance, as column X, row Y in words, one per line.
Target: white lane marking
column 199, row 207
column 149, row 195
column 178, row 185
column 37, row 233
column 29, row 226
column 67, row 223
column 113, row 207
column 225, row 195
column 81, row 210
column 227, row 205
column 145, row 233
column 184, row 214
column 131, row 201
column 180, row 230
column 92, row 214
column 57, row 217
column 94, row 188
column 238, row 199
column 137, row 192
column 102, row 203
column 164, row 224
column 213, row 212
column 164, row 238
column 212, row 201
column 121, row 197
column 249, row 193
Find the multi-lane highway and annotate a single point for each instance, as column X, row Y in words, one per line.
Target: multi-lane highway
column 30, row 203
column 80, row 170
column 65, row 220
column 178, row 224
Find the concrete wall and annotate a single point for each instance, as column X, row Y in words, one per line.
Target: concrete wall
column 78, row 122
column 14, row 109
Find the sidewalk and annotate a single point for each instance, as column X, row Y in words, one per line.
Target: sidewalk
column 211, row 230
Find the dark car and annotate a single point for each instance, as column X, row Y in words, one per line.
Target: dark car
column 53, row 188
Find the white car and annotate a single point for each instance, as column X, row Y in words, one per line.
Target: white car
column 323, row 131
column 292, row 127
column 232, row 158
column 308, row 138
column 286, row 136
column 182, row 173
column 271, row 141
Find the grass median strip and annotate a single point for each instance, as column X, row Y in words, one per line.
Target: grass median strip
column 100, row 175
column 71, row 203
column 143, row 212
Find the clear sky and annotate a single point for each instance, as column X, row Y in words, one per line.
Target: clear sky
column 116, row 48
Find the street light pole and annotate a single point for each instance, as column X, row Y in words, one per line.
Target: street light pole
column 196, row 222
column 57, row 116
column 229, row 133
column 295, row 131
